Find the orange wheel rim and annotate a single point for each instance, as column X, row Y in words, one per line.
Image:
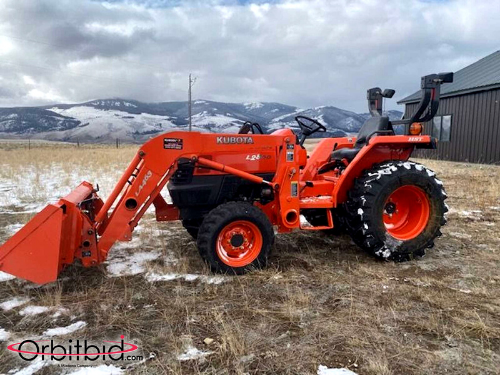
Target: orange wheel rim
column 239, row 243
column 406, row 212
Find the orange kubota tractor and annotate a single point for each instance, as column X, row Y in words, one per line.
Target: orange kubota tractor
column 230, row 190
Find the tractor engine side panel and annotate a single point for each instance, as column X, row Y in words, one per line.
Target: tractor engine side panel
column 196, row 195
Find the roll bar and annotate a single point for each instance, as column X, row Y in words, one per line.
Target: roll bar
column 429, row 102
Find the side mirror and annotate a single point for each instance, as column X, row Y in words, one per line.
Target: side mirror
column 433, row 81
column 388, row 93
column 375, row 98
column 446, row 77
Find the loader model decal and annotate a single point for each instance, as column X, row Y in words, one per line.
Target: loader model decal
column 255, row 157
column 234, row 140
column 144, row 182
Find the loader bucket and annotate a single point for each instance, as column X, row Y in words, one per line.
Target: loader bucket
column 47, row 243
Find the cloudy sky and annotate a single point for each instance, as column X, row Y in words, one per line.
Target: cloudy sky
column 300, row 52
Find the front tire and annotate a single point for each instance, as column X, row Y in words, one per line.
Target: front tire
column 396, row 209
column 235, row 237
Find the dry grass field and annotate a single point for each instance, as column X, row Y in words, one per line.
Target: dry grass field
column 322, row 301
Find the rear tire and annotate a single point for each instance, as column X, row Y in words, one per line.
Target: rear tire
column 396, row 209
column 235, row 237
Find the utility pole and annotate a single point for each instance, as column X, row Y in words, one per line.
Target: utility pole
column 191, row 84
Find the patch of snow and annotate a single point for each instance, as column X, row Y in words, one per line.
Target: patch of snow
column 383, row 171
column 256, row 105
column 126, row 264
column 443, row 193
column 384, row 252
column 154, row 277
column 5, row 276
column 282, row 117
column 60, row 311
column 217, row 120
column 4, row 335
column 324, row 198
column 59, row 331
column 35, row 366
column 33, row 310
column 304, row 223
column 13, row 303
column 99, row 370
column 192, row 353
column 323, row 370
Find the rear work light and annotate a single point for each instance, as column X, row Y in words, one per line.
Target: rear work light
column 416, row 128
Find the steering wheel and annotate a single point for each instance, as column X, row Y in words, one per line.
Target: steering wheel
column 307, row 130
column 247, row 126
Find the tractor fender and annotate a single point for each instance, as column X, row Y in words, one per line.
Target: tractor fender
column 378, row 150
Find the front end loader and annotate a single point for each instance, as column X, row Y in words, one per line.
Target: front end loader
column 231, row 190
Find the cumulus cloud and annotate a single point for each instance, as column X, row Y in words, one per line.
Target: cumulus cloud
column 301, row 52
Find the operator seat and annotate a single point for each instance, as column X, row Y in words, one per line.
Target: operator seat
column 369, row 128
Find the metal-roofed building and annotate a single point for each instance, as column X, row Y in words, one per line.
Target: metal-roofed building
column 467, row 123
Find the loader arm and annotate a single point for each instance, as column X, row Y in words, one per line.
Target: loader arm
column 145, row 178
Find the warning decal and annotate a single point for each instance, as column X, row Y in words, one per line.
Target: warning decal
column 172, row 143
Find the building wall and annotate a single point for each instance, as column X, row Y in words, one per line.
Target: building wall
column 475, row 128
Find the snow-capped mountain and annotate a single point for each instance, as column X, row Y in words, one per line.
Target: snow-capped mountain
column 337, row 121
column 106, row 120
